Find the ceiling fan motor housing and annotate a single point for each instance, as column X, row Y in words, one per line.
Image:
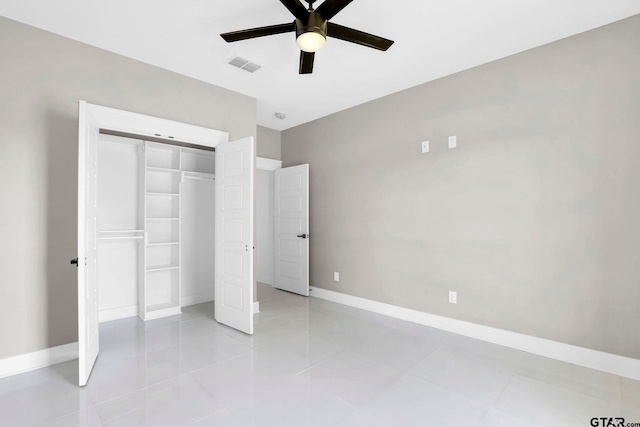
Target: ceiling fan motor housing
column 315, row 24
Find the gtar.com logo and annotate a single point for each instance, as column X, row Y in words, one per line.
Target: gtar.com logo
column 607, row 422
column 611, row 422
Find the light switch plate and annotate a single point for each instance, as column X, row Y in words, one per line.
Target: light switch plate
column 425, row 146
column 336, row 276
column 453, row 141
column 453, row 297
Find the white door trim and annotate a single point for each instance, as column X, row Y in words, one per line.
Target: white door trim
column 143, row 125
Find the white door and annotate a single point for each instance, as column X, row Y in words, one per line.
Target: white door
column 235, row 170
column 87, row 260
column 291, row 229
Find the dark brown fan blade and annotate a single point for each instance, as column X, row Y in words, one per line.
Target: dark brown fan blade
column 358, row 37
column 330, row 8
column 235, row 36
column 296, row 8
column 306, row 62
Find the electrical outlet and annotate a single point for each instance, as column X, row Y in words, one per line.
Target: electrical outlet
column 453, row 141
column 453, row 297
column 336, row 276
column 425, row 146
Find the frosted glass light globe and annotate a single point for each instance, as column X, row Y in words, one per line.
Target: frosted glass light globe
column 310, row 41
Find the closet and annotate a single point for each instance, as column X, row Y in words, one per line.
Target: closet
column 156, row 227
column 134, row 252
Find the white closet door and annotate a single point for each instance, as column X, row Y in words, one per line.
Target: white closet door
column 88, row 132
column 235, row 169
column 291, row 229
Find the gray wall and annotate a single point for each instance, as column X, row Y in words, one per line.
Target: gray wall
column 42, row 77
column 533, row 219
column 268, row 143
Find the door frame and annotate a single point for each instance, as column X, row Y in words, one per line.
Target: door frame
column 269, row 165
column 154, row 127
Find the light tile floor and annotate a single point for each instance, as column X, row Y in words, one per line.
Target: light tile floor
column 310, row 363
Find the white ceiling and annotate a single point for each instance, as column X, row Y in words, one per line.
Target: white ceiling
column 432, row 39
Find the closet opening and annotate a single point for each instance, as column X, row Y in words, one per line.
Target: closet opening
column 156, row 226
column 145, row 218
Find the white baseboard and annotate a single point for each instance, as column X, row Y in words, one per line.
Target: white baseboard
column 256, row 307
column 38, row 359
column 117, row 313
column 612, row 363
column 187, row 300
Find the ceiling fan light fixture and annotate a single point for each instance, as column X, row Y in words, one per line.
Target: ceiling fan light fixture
column 311, row 41
column 312, row 36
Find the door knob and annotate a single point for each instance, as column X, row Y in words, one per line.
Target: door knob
column 304, row 236
column 74, row 261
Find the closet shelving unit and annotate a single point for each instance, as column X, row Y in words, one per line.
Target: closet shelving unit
column 160, row 293
column 156, row 227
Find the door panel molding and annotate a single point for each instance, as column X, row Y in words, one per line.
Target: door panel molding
column 235, row 166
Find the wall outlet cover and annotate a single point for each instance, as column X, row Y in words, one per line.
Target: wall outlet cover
column 425, row 146
column 453, row 141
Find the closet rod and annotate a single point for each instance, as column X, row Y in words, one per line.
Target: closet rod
column 161, row 140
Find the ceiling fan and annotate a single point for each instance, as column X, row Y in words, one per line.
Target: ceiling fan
column 312, row 29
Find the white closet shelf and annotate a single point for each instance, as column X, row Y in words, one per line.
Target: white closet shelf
column 162, row 267
column 154, row 243
column 196, row 174
column 151, row 193
column 121, row 238
column 158, row 169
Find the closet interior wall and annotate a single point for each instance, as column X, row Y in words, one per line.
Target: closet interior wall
column 264, row 226
column 156, row 225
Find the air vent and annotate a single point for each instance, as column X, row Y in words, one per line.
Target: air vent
column 244, row 64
